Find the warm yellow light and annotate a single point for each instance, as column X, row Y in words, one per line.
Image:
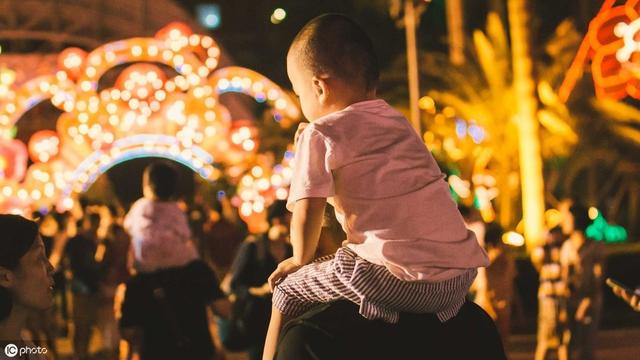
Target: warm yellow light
column 246, row 209
column 448, row 112
column 553, row 218
column 427, row 103
column 248, row 145
column 593, row 213
column 278, row 15
column 282, row 194
column 513, row 238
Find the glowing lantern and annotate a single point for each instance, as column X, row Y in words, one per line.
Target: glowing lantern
column 244, row 136
column 141, row 80
column 612, row 44
column 174, row 30
column 70, row 60
column 43, row 146
column 513, row 238
column 13, row 159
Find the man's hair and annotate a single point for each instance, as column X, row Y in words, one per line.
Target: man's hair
column 278, row 210
column 91, row 221
column 162, row 179
column 581, row 218
column 469, row 213
column 493, row 235
column 335, row 45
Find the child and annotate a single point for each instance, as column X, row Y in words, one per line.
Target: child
column 407, row 248
column 159, row 230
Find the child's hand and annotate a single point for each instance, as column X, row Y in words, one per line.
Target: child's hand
column 285, row 268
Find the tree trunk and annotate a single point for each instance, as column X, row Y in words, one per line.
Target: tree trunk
column 528, row 137
column 455, row 26
column 412, row 63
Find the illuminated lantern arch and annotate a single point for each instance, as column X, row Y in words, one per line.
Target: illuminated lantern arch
column 139, row 146
column 248, row 82
column 143, row 114
column 32, row 93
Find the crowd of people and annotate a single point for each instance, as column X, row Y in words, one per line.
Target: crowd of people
column 571, row 269
column 109, row 268
column 93, row 256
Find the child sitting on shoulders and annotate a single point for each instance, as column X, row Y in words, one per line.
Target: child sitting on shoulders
column 407, row 248
column 159, row 230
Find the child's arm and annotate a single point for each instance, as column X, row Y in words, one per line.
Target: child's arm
column 305, row 232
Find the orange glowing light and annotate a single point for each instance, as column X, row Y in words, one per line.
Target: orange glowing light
column 613, row 46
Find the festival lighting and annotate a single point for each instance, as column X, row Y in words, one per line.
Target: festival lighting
column 601, row 230
column 513, row 238
column 209, row 15
column 262, row 185
column 611, row 44
column 145, row 112
column 278, row 16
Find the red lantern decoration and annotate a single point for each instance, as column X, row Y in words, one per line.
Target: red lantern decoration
column 142, row 80
column 71, row 61
column 43, row 146
column 13, row 159
column 174, row 30
column 613, row 36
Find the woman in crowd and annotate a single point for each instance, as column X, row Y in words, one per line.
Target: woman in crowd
column 26, row 280
column 257, row 258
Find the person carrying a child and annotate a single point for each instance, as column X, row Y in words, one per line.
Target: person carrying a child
column 159, row 230
column 407, row 248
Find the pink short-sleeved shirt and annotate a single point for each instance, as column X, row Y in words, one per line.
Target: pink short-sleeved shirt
column 389, row 194
column 160, row 235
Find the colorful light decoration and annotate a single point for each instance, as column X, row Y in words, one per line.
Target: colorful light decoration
column 146, row 112
column 44, row 145
column 612, row 44
column 13, row 160
column 262, row 185
column 601, row 230
column 456, row 139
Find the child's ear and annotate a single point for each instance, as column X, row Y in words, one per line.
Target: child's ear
column 320, row 89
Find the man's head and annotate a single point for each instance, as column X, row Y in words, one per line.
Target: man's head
column 279, row 219
column 159, row 181
column 493, row 236
column 330, row 62
column 579, row 218
column 91, row 223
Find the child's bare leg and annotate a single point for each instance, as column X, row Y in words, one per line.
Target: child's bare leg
column 273, row 333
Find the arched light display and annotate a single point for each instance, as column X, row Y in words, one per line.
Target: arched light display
column 164, row 103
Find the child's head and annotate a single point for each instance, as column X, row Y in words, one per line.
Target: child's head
column 159, row 181
column 331, row 63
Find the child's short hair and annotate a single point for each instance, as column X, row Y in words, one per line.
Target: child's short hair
column 334, row 44
column 162, row 179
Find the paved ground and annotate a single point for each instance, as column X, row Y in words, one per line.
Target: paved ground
column 620, row 344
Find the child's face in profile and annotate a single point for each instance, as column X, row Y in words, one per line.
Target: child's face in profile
column 302, row 81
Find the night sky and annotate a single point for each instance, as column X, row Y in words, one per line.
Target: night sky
column 254, row 42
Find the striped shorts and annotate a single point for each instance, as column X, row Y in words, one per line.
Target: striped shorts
column 377, row 291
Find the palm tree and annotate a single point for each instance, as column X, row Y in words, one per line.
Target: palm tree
column 532, row 183
column 482, row 92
